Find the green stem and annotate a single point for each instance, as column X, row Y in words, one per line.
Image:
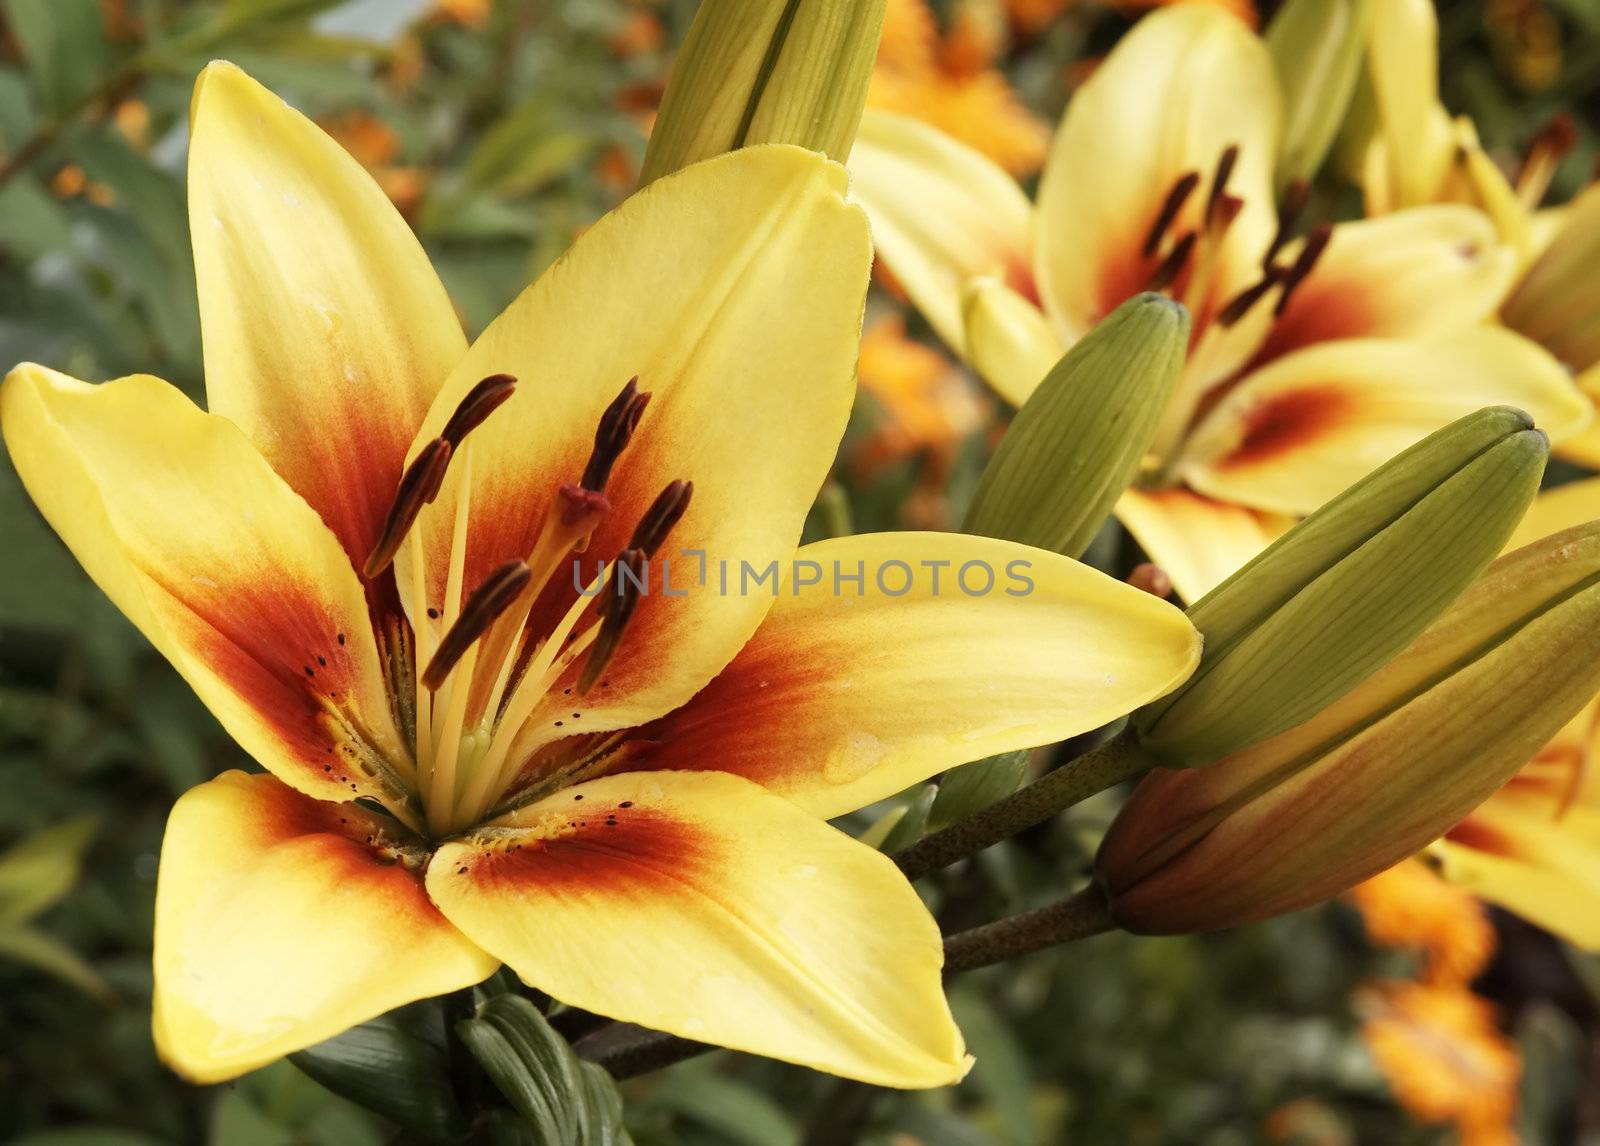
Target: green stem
column 50, row 128
column 1078, row 916
column 1116, row 760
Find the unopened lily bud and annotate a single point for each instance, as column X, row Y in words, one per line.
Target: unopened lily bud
column 1557, row 302
column 1317, row 46
column 767, row 71
column 1381, row 773
column 1077, row 442
column 1349, row 587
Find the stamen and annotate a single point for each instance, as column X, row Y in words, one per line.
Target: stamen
column 1554, row 143
column 1219, row 181
column 611, row 437
column 665, row 512
column 1316, row 243
column 1242, row 303
column 481, row 401
column 419, row 485
column 1172, row 266
column 487, row 602
column 616, row 608
column 1181, row 190
column 1290, row 209
column 581, row 506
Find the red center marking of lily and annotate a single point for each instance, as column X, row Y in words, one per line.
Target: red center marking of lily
column 469, row 669
column 1286, row 422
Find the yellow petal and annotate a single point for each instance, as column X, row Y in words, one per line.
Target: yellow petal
column 941, row 214
column 1427, row 270
column 1557, row 509
column 1514, row 851
column 733, row 290
column 1008, row 339
column 700, row 904
column 227, row 571
column 278, row 925
column 1185, row 84
column 1198, row 541
column 1295, row 433
column 1584, row 446
column 1403, row 66
column 326, row 331
column 950, row 648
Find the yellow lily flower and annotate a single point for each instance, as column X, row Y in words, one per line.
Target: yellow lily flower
column 1534, row 846
column 1311, row 360
column 1420, row 154
column 469, row 763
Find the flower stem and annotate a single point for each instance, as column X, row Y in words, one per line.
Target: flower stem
column 1114, row 761
column 1079, row 916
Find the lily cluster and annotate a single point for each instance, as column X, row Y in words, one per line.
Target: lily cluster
column 361, row 553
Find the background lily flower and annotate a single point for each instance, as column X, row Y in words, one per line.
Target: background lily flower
column 1311, row 360
column 1419, row 154
column 358, row 557
column 1534, row 846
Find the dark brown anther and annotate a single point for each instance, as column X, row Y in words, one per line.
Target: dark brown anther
column 1181, row 190
column 488, row 601
column 616, row 608
column 1242, row 303
column 419, row 485
column 1290, row 209
column 1316, row 243
column 1172, row 266
column 662, row 515
column 1228, row 208
column 481, row 401
column 1219, row 181
column 1557, row 138
column 616, row 427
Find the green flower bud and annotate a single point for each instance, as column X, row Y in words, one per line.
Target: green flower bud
column 1317, row 47
column 767, row 71
column 1381, row 773
column 1078, row 441
column 1557, row 302
column 1346, row 589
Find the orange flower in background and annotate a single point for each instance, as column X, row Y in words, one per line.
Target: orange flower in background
column 1410, row 907
column 472, row 13
column 950, row 82
column 1445, row 1057
column 928, row 406
column 1030, row 17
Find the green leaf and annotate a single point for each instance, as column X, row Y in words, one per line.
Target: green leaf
column 43, row 867
column 22, row 944
column 969, row 789
column 561, row 1100
column 64, row 44
column 1001, row 1070
column 734, row 1110
column 908, row 828
column 397, row 1065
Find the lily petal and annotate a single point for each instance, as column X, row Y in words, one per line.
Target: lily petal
column 1292, row 435
column 231, row 575
column 1009, row 341
column 1554, row 510
column 1198, row 541
column 1184, row 85
column 281, row 921
column 941, row 213
column 949, row 649
column 702, row 905
column 326, row 331
column 1427, row 270
column 1584, row 446
column 734, row 290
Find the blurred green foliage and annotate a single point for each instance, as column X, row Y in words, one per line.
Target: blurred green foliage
column 501, row 139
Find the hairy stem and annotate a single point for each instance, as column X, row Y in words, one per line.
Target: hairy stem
column 1078, row 916
column 1114, row 761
